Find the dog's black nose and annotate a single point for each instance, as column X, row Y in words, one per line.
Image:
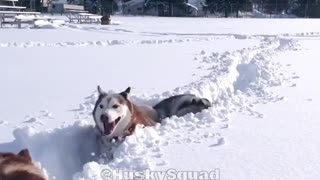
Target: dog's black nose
column 104, row 118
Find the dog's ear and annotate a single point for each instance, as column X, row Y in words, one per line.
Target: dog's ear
column 128, row 90
column 194, row 101
column 126, row 93
column 100, row 91
column 26, row 154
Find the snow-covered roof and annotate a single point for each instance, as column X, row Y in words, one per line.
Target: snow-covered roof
column 192, row 6
column 134, row 2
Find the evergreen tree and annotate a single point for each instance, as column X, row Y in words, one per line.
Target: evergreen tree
column 107, row 7
column 228, row 6
column 306, row 8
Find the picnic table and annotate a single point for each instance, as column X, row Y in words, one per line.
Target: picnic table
column 9, row 1
column 72, row 14
column 77, row 14
column 82, row 17
column 2, row 7
column 12, row 17
column 89, row 18
column 10, row 5
column 12, row 14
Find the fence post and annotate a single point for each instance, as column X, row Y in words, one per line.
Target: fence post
column 306, row 11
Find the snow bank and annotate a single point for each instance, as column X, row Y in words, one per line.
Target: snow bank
column 45, row 24
column 114, row 22
column 62, row 151
column 42, row 22
column 25, row 17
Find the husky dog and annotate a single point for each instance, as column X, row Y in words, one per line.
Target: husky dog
column 19, row 167
column 181, row 105
column 116, row 116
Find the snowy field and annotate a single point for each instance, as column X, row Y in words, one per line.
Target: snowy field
column 260, row 74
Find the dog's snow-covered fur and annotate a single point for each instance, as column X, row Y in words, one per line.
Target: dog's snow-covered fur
column 116, row 116
column 19, row 167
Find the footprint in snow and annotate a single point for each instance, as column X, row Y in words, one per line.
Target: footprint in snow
column 293, row 85
column 162, row 163
column 33, row 120
column 198, row 141
column 4, row 123
column 224, row 126
column 46, row 114
column 158, row 155
column 82, row 107
column 260, row 115
column 281, row 98
column 188, row 140
column 219, row 142
column 208, row 135
column 156, row 149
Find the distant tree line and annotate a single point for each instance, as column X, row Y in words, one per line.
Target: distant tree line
column 302, row 8
column 170, row 7
column 306, row 8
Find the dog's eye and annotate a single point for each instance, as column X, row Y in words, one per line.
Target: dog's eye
column 101, row 106
column 115, row 106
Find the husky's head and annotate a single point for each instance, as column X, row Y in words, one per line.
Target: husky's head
column 23, row 155
column 111, row 113
column 19, row 166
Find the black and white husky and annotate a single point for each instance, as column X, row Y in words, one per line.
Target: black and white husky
column 116, row 116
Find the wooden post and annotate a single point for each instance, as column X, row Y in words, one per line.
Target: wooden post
column 1, row 20
column 19, row 23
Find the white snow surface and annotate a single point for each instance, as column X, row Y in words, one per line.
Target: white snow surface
column 259, row 74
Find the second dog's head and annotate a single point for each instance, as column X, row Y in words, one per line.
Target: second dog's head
column 23, row 155
column 19, row 166
column 112, row 112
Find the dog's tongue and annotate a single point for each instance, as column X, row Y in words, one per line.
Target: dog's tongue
column 108, row 127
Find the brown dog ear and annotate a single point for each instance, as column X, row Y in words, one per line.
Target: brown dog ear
column 26, row 154
column 126, row 92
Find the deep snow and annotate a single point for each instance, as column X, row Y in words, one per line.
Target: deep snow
column 250, row 69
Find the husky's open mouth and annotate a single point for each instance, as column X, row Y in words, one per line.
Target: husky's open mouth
column 109, row 127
